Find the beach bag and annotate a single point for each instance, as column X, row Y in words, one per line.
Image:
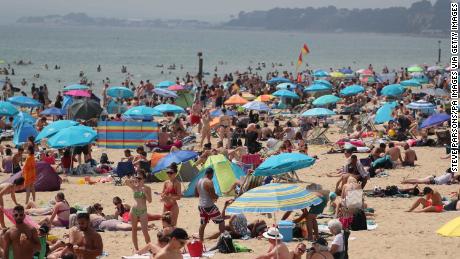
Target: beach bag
column 225, row 244
column 391, row 190
column 241, row 249
column 359, row 221
column 354, row 199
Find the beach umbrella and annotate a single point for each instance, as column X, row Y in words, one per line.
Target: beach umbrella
column 24, row 101
column 23, row 117
column 248, row 96
column 393, row 90
column 365, row 72
column 320, row 73
column 346, row 71
column 450, row 229
column 286, row 94
column 265, row 98
column 120, row 92
column 286, row 86
column 318, row 112
column 176, row 88
column 174, row 157
column 352, row 90
column 421, row 105
column 76, row 87
column 435, row 92
column 283, row 163
column 22, row 132
column 411, row 82
column 236, row 99
column 273, row 197
column 324, row 82
column 53, row 111
column 435, row 120
column 278, row 80
column 218, row 112
column 169, row 108
column 317, row 88
column 165, row 93
column 54, row 128
column 256, row 106
column 326, row 100
column 434, row 68
column 422, row 79
column 72, row 136
column 84, row 109
column 384, row 113
column 164, row 84
column 78, row 93
column 142, row 113
column 7, row 109
column 336, row 74
column 414, row 69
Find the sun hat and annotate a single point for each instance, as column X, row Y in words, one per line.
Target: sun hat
column 273, row 233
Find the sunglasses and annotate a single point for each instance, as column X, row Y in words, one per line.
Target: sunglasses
column 18, row 215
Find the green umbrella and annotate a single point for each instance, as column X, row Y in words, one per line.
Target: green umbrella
column 414, row 69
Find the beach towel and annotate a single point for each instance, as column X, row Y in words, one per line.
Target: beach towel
column 28, row 220
column 186, row 256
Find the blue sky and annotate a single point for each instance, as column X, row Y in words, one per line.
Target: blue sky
column 208, row 10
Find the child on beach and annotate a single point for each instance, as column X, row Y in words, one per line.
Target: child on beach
column 29, row 173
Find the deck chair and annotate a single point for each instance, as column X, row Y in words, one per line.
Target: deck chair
column 250, row 182
column 345, row 128
column 291, row 177
column 443, row 137
column 252, row 159
column 123, row 169
column 367, row 122
column 319, row 137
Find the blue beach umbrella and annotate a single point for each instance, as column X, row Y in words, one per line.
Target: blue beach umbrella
column 72, row 137
column 326, row 100
column 352, row 90
column 169, row 108
column 218, row 112
column 411, row 82
column 76, row 87
column 278, row 80
column 317, row 88
column 383, row 114
column 24, row 101
column 286, row 86
column 320, row 73
column 283, row 163
column 54, row 128
column 142, row 113
column 435, row 120
column 256, row 106
column 421, row 105
column 324, row 82
column 346, row 71
column 393, row 90
column 165, row 93
column 120, row 92
column 53, row 111
column 174, row 157
column 22, row 132
column 23, row 117
column 7, row 109
column 318, row 112
column 285, row 94
column 422, row 79
column 273, row 197
column 164, row 84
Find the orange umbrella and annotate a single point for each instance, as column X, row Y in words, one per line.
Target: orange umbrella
column 155, row 158
column 236, row 100
column 265, row 98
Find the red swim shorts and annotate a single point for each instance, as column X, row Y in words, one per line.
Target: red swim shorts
column 195, row 119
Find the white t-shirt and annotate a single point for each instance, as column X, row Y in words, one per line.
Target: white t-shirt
column 338, row 240
column 443, row 179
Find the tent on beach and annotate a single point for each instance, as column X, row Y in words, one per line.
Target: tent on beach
column 225, row 174
column 47, row 179
column 186, row 172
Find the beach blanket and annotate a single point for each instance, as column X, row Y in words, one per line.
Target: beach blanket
column 371, row 225
column 28, row 220
column 186, row 256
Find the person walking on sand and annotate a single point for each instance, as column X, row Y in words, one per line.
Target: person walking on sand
column 171, row 194
column 29, row 173
column 22, row 239
column 207, row 197
column 205, row 127
column 10, row 188
column 142, row 195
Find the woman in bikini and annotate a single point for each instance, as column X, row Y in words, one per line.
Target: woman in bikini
column 171, row 193
column 206, row 127
column 9, row 188
column 61, row 213
column 142, row 194
column 121, row 210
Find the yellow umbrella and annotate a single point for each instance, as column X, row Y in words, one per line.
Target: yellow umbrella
column 451, row 229
column 236, row 100
column 265, row 98
column 248, row 96
column 337, row 75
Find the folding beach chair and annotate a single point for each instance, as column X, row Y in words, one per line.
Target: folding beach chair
column 123, row 169
column 291, row 177
column 345, row 128
column 319, row 137
column 250, row 182
column 367, row 122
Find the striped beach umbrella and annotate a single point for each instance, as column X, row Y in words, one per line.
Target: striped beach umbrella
column 272, row 198
column 421, row 105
